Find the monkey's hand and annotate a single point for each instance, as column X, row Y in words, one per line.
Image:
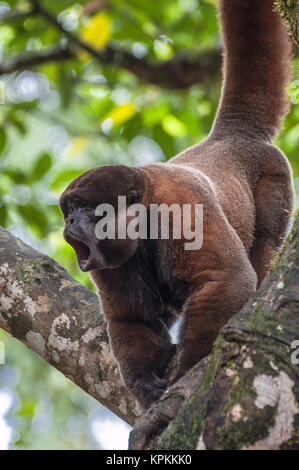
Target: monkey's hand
column 148, row 388
column 142, row 353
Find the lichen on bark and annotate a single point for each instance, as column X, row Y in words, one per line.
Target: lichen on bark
column 289, row 10
column 42, row 306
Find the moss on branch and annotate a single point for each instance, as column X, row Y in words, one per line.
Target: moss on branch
column 289, row 10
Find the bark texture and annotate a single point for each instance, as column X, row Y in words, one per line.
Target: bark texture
column 55, row 316
column 289, row 10
column 246, row 394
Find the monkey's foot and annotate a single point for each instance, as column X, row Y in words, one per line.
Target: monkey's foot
column 148, row 388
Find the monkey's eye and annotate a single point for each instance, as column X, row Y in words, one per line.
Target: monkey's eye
column 87, row 207
column 133, row 197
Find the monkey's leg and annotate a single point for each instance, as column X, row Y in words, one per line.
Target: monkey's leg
column 143, row 352
column 274, row 204
column 207, row 311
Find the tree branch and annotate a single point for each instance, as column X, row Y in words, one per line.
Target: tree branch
column 179, row 72
column 42, row 306
column 17, row 15
column 32, row 59
column 246, row 395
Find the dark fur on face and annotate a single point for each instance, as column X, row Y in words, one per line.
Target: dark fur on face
column 78, row 204
column 245, row 185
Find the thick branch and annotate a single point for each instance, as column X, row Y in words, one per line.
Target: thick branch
column 42, row 306
column 246, row 395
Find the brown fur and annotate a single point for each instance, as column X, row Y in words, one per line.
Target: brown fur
column 245, row 186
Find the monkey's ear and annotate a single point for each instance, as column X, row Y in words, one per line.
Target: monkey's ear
column 133, row 197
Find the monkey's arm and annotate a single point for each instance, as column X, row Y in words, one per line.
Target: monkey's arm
column 224, row 281
column 139, row 339
column 205, row 313
column 142, row 352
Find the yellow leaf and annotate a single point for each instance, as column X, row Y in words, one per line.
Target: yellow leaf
column 96, row 33
column 77, row 145
column 121, row 114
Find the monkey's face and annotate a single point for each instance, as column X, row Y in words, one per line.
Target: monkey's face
column 80, row 205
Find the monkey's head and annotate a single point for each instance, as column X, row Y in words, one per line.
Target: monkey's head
column 78, row 203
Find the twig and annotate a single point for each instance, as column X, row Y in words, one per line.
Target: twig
column 31, row 59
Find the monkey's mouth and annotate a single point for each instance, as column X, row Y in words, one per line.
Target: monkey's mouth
column 83, row 252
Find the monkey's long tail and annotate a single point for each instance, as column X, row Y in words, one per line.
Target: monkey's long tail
column 257, row 62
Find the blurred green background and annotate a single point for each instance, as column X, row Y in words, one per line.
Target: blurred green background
column 62, row 116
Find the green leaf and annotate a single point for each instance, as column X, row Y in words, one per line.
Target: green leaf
column 2, row 140
column 20, row 126
column 154, row 115
column 17, row 176
column 35, row 218
column 3, row 216
column 42, row 166
column 65, row 177
column 65, row 85
column 173, row 126
column 27, row 409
